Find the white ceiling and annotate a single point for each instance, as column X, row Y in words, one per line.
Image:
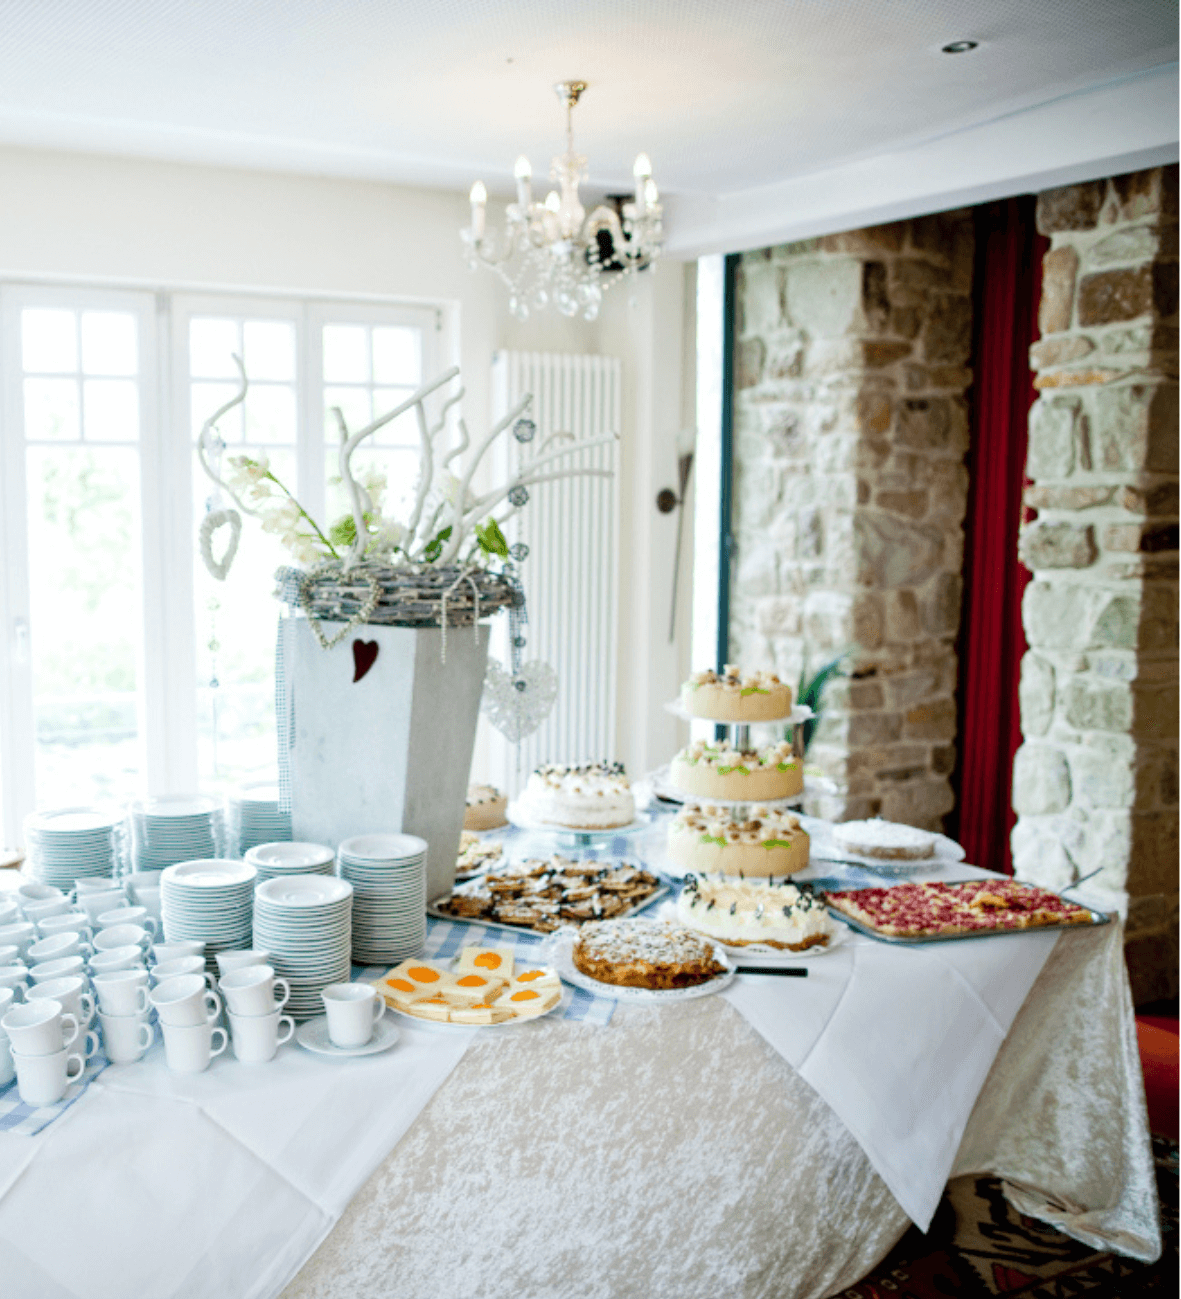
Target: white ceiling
column 727, row 96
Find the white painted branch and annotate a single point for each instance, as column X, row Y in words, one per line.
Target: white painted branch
column 587, row 445
column 207, row 430
column 426, row 470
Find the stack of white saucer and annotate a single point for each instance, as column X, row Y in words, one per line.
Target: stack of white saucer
column 170, row 830
column 67, row 844
column 305, row 923
column 276, row 860
column 388, row 875
column 209, row 901
column 254, row 818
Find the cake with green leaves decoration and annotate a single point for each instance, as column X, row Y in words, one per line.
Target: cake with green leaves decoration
column 736, row 696
column 769, row 844
column 709, row 770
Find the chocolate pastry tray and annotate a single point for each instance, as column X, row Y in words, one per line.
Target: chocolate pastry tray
column 540, row 896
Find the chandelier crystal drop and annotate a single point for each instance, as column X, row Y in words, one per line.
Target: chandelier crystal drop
column 550, row 253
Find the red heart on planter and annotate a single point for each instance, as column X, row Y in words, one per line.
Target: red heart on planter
column 364, row 657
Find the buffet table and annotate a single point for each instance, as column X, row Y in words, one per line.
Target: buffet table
column 684, row 1149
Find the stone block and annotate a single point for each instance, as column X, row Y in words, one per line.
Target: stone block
column 1056, row 309
column 1156, row 618
column 824, row 297
column 1067, row 498
column 778, row 615
column 947, row 335
column 906, row 321
column 891, row 553
column 785, row 435
column 1084, row 377
column 1152, row 866
column 903, row 472
column 875, row 302
column 763, row 302
column 1156, row 778
column 877, row 355
column 873, row 239
column 1131, row 244
column 1041, row 780
column 1153, row 501
column 906, row 689
column 1056, row 545
column 1061, row 616
column 1133, row 538
column 1134, row 427
column 1109, row 296
column 1071, row 207
column 931, row 721
column 875, row 411
column 932, row 424
column 941, row 604
column 786, row 354
column 1133, row 339
column 903, row 622
column 913, row 278
column 868, row 620
column 1049, row 352
column 922, row 802
column 1036, row 694
column 1102, row 776
column 1155, row 710
column 943, row 759
column 1055, row 430
column 949, row 489
column 1098, row 705
column 913, row 505
column 1038, row 854
column 1142, row 193
column 749, row 356
column 828, row 620
column 867, row 729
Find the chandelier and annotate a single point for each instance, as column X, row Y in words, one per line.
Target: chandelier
column 551, row 252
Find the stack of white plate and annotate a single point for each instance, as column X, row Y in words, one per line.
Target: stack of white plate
column 170, row 830
column 66, row 844
column 275, row 860
column 209, row 901
column 305, row 922
column 254, row 817
column 388, row 875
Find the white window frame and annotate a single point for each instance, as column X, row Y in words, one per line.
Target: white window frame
column 166, row 670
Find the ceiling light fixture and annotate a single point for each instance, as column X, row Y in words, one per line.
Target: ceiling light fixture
column 959, row 47
column 551, row 252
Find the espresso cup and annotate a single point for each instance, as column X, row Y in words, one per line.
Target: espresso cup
column 40, row 1028
column 173, row 969
column 175, row 949
column 128, row 916
column 353, row 1011
column 188, row 1048
column 31, row 893
column 15, row 977
column 149, row 899
column 256, row 1038
column 7, row 1068
column 59, row 969
column 76, row 922
column 130, row 957
column 43, row 1079
column 123, row 992
column 254, row 990
column 71, row 993
column 186, row 1001
column 21, row 935
column 230, row 961
column 107, row 940
column 53, row 949
column 126, row 1037
column 99, row 901
column 37, row 911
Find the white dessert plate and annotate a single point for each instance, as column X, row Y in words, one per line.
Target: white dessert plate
column 800, row 713
column 524, row 821
column 824, row 848
column 776, row 959
column 383, row 847
column 313, row 1036
column 289, row 856
column 558, row 951
column 298, row 892
column 212, row 873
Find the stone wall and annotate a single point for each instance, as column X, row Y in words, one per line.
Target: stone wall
column 1095, row 781
column 850, row 429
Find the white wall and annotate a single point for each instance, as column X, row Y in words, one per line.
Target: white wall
column 83, row 218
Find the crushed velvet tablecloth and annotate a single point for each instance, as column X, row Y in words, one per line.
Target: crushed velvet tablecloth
column 676, row 1154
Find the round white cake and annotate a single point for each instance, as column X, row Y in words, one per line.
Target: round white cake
column 886, row 840
column 735, row 696
column 769, row 843
column 741, row 912
column 707, row 771
column 593, row 796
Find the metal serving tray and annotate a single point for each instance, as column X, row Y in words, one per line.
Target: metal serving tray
column 433, row 911
column 905, row 940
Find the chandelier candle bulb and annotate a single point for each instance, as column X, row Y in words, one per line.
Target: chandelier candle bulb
column 479, row 197
column 524, row 175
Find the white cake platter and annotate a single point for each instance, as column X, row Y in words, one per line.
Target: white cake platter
column 559, row 952
column 439, row 1026
column 800, row 713
column 663, row 789
column 824, row 848
column 524, row 821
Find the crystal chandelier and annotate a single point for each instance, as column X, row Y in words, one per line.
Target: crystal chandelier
column 552, row 252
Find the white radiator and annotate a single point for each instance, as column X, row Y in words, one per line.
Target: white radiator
column 571, row 573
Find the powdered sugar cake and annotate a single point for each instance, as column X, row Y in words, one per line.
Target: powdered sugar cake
column 644, row 953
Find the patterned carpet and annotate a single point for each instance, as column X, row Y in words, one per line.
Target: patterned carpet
column 979, row 1246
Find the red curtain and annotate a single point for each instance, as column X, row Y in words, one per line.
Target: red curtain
column 1009, row 255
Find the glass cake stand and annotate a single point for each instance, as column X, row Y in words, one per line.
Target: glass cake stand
column 578, row 839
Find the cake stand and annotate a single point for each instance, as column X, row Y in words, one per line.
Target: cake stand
column 572, row 838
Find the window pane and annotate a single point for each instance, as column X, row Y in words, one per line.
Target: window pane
column 109, row 343
column 355, row 405
column 397, row 355
column 269, row 349
column 404, row 430
column 84, row 598
column 346, row 354
column 51, row 410
column 212, row 344
column 49, row 341
column 270, row 414
column 111, row 409
column 209, row 397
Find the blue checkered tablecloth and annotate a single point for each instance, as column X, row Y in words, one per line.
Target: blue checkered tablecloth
column 27, row 1120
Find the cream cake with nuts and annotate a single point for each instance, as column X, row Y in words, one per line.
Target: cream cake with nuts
column 736, row 696
column 740, row 913
column 768, row 843
column 708, row 770
column 591, row 796
column 485, row 808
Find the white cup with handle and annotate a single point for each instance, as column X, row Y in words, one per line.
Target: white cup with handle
column 123, row 992
column 10, row 913
column 227, row 962
column 10, row 955
column 53, row 949
column 174, row 949
column 128, row 916
column 164, row 970
column 15, row 977
column 38, row 911
column 123, row 936
column 33, row 891
column 7, row 1067
column 77, row 922
column 254, row 990
column 353, row 1012
column 186, row 1001
column 43, row 1079
column 188, row 1048
column 22, row 935
column 130, row 957
column 256, row 1038
column 98, row 901
column 126, row 1037
column 7, row 1001
column 40, row 1028
column 72, row 993
column 62, row 968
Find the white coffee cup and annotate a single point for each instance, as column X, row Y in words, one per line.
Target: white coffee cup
column 229, row 961
column 72, row 993
column 37, row 911
column 53, row 949
column 15, row 976
column 188, row 1048
column 40, row 1028
column 31, row 892
column 174, row 950
column 10, row 914
column 7, row 1001
column 186, row 1001
column 10, row 955
column 95, row 884
column 180, row 965
column 126, row 1037
column 256, row 1038
column 7, row 1068
column 123, row 936
column 353, row 1011
column 127, row 916
column 19, row 935
column 59, row 969
column 101, row 900
column 130, row 957
column 76, row 922
column 43, row 1079
column 149, row 899
column 123, row 992
column 253, row 990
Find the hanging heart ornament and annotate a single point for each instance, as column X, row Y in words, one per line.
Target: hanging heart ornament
column 214, row 519
column 517, row 703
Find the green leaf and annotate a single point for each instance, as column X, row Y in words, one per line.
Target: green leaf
column 492, row 539
column 435, row 548
column 811, row 692
column 344, row 531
